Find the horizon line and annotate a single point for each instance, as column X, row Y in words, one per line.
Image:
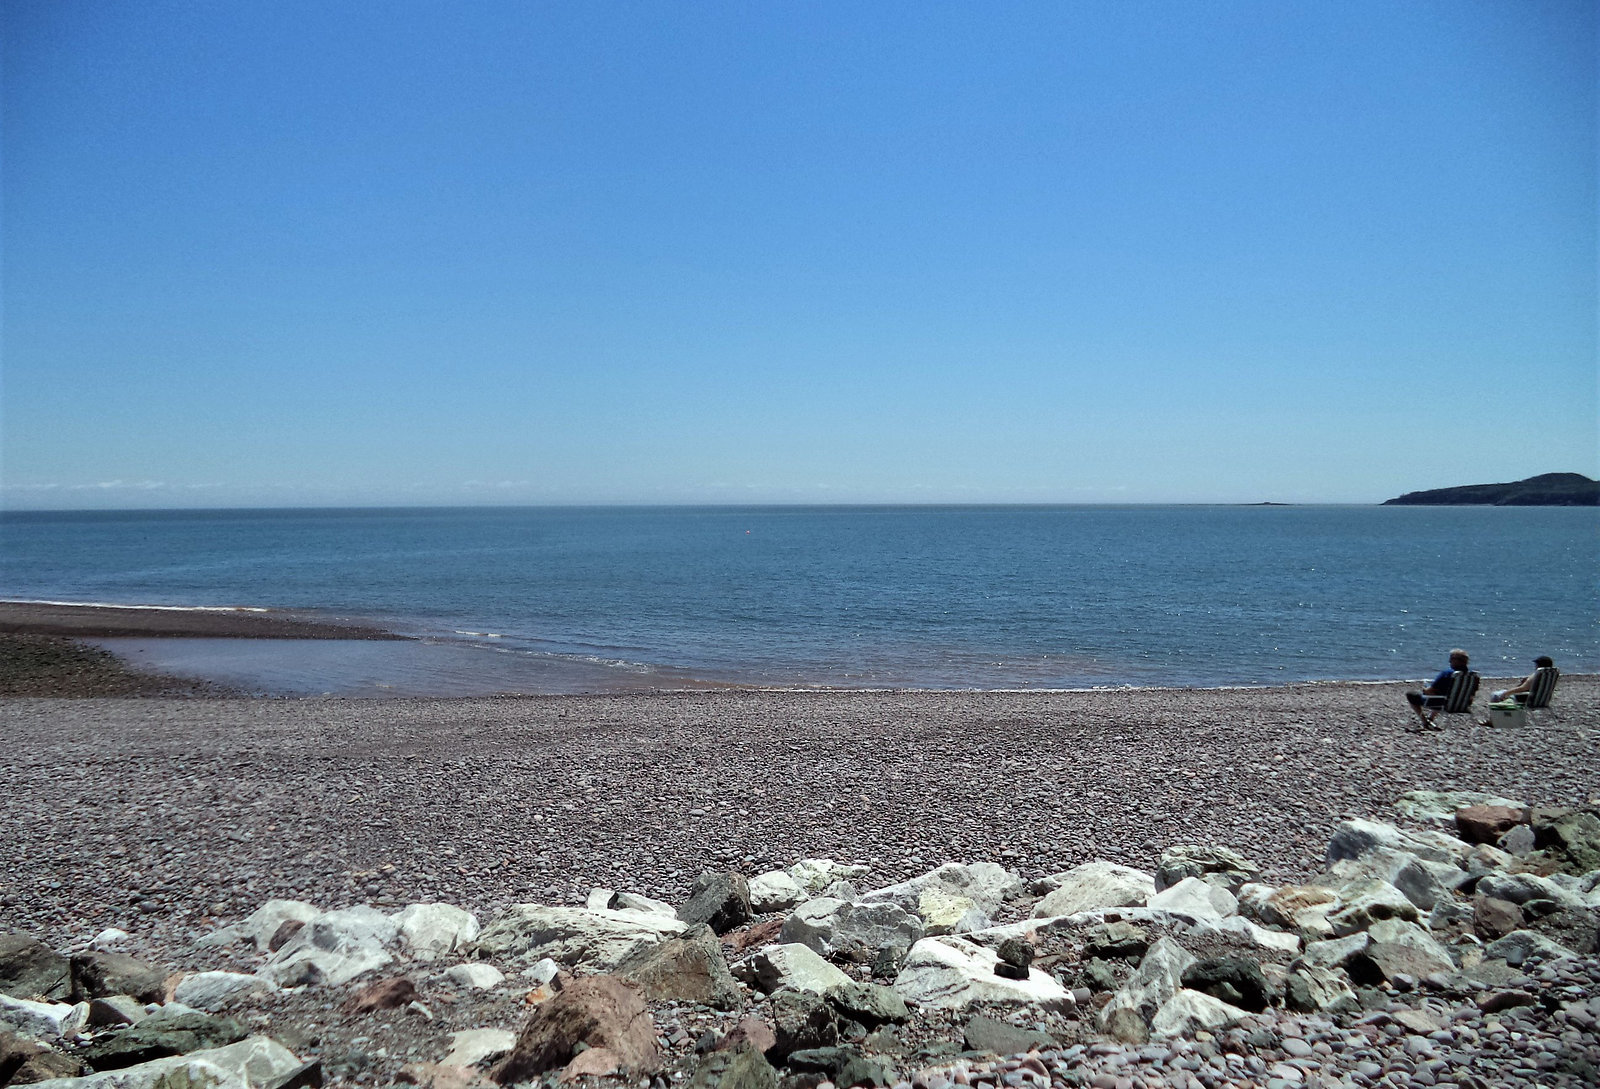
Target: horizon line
column 688, row 505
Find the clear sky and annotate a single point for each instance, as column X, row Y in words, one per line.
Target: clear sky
column 328, row 251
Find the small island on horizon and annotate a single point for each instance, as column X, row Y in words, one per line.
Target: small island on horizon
column 1546, row 490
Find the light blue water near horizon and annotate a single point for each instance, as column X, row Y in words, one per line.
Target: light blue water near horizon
column 608, row 598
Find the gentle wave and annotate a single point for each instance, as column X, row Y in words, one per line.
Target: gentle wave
column 141, row 608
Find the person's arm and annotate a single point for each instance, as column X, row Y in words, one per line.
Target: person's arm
column 1525, row 686
column 1440, row 685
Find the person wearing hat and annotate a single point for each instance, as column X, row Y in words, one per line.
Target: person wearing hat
column 1520, row 692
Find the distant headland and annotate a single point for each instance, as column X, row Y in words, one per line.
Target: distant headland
column 1548, row 490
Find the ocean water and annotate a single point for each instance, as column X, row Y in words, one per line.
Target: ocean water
column 580, row 599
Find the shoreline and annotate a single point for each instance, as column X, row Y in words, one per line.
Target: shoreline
column 235, row 651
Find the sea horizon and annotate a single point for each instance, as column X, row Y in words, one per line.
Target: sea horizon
column 631, row 505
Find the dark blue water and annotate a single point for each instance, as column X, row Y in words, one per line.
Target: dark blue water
column 562, row 599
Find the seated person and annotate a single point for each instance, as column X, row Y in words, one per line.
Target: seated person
column 1435, row 694
column 1520, row 692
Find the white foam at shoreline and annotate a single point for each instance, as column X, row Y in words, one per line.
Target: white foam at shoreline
column 140, row 608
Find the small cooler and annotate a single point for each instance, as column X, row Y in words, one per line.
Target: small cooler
column 1510, row 715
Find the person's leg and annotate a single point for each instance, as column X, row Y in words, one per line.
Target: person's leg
column 1416, row 699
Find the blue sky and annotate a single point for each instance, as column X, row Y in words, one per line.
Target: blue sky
column 308, row 253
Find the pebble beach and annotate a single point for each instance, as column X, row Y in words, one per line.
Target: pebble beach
column 165, row 813
column 163, row 819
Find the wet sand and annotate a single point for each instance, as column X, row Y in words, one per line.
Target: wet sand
column 53, row 650
column 110, row 621
column 48, row 665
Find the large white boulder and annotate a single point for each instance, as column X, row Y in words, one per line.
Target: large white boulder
column 1188, row 1012
column 1365, row 902
column 431, row 931
column 952, row 973
column 1422, row 882
column 1238, row 927
column 260, row 925
column 1519, row 888
column 853, row 931
column 1354, row 838
column 210, row 991
column 573, row 937
column 774, row 891
column 791, row 966
column 1196, row 897
column 986, row 885
column 333, row 948
column 471, row 1046
column 253, row 1063
column 815, row 874
column 45, row 1020
column 1438, row 807
column 1095, row 886
column 1158, row 977
column 476, row 976
column 1519, row 945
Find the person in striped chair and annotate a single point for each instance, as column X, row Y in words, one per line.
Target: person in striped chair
column 1434, row 695
column 1544, row 661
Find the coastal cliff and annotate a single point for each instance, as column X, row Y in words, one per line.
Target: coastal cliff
column 1547, row 490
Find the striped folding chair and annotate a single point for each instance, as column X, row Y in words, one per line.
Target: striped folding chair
column 1537, row 698
column 1463, row 687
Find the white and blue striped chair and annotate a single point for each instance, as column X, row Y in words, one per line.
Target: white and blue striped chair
column 1537, row 697
column 1458, row 701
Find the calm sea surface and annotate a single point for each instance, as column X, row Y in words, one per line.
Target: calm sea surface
column 552, row 600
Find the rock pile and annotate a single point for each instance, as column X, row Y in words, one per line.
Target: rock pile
column 1460, row 950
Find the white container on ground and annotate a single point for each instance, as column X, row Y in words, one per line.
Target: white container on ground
column 1513, row 717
